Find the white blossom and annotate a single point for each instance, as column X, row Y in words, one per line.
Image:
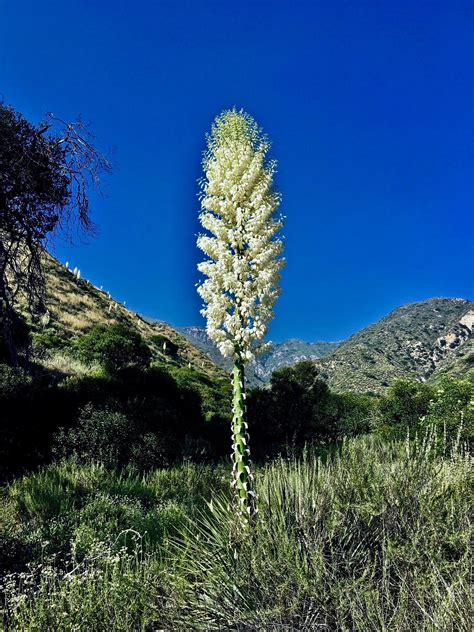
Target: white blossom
column 238, row 204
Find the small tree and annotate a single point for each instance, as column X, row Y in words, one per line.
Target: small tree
column 46, row 173
column 115, row 347
column 238, row 203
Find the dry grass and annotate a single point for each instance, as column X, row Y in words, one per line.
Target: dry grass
column 62, row 363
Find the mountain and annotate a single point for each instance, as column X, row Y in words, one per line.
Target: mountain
column 278, row 356
column 292, row 351
column 74, row 305
column 421, row 341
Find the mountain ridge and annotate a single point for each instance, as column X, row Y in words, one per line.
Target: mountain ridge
column 420, row 340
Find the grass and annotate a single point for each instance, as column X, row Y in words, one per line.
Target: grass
column 61, row 362
column 375, row 538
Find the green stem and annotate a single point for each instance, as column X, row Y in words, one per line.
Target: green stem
column 241, row 476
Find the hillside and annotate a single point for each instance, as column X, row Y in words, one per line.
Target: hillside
column 420, row 340
column 74, row 305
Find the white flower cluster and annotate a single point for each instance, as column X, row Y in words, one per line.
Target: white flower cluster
column 238, row 203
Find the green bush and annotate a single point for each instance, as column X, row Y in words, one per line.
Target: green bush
column 402, row 406
column 101, row 435
column 115, row 347
column 299, row 408
column 169, row 421
column 452, row 408
column 107, row 436
column 47, row 341
column 215, row 393
column 355, row 413
column 294, row 411
column 410, row 407
column 14, row 382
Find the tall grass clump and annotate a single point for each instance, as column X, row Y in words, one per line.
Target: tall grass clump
column 375, row 539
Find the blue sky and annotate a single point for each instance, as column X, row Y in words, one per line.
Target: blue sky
column 370, row 107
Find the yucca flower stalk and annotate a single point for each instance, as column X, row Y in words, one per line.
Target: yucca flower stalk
column 242, row 268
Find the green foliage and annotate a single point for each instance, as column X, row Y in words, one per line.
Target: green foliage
column 115, row 347
column 299, row 408
column 108, row 436
column 93, row 416
column 215, row 394
column 14, row 381
column 376, row 538
column 412, row 406
column 403, row 405
column 293, row 411
column 366, row 542
column 452, row 407
column 47, row 341
column 101, row 435
column 66, row 509
column 142, row 418
column 354, row 412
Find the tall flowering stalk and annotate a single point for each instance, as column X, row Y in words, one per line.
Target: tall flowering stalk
column 242, row 268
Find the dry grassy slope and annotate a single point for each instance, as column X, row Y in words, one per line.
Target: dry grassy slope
column 421, row 340
column 75, row 305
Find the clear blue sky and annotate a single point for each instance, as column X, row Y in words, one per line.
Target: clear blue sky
column 370, row 106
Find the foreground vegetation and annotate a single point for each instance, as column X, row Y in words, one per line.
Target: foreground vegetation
column 373, row 537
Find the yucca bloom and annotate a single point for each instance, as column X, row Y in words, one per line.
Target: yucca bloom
column 242, row 268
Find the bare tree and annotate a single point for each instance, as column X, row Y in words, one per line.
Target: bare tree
column 46, row 174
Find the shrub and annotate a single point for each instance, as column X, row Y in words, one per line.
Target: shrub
column 355, row 413
column 14, row 382
column 47, row 341
column 101, row 435
column 452, row 408
column 299, row 408
column 215, row 393
column 402, row 406
column 166, row 419
column 136, row 417
column 114, row 346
